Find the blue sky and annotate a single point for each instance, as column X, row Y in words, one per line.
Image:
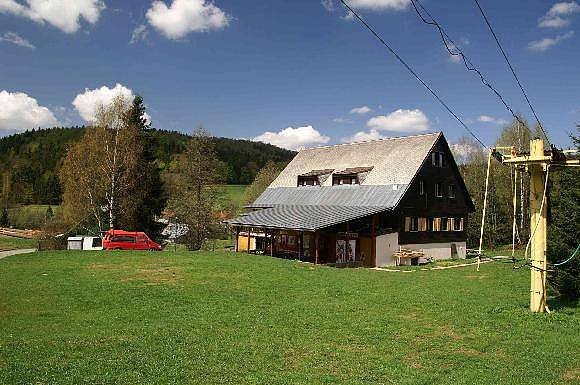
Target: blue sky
column 288, row 72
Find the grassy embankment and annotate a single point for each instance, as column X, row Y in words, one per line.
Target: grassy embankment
column 12, row 243
column 159, row 318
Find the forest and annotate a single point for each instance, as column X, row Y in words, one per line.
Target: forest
column 29, row 161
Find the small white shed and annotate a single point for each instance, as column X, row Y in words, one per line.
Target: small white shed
column 74, row 243
column 84, row 243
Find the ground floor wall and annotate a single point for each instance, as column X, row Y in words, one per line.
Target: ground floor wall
column 347, row 247
column 387, row 244
column 437, row 251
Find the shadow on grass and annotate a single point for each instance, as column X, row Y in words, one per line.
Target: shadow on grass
column 562, row 304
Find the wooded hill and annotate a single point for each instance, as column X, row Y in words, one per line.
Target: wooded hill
column 29, row 161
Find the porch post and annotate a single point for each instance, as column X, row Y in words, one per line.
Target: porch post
column 373, row 240
column 316, row 236
column 237, row 236
column 249, row 230
column 300, row 245
column 347, row 240
column 271, row 243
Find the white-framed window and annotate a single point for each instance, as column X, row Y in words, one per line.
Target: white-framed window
column 421, row 188
column 430, row 224
column 458, row 224
column 444, row 224
column 414, row 224
column 422, row 224
column 439, row 189
column 438, row 159
column 451, row 191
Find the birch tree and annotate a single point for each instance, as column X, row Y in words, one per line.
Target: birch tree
column 101, row 173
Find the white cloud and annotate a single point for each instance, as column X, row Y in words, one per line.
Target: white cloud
column 553, row 22
column 139, row 33
column 554, row 17
column 363, row 136
column 491, row 119
column 65, row 15
column 548, row 42
column 14, row 38
column 185, row 16
column 361, row 110
column 464, row 150
column 400, row 121
column 328, row 5
column 340, row 120
column 293, row 138
column 380, row 5
column 87, row 102
column 19, row 112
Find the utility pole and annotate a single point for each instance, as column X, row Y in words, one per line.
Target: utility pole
column 537, row 163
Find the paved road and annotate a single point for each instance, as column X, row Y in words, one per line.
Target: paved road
column 4, row 254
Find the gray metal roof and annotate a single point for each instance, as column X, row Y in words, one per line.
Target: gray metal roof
column 344, row 195
column 391, row 165
column 308, row 218
column 393, row 160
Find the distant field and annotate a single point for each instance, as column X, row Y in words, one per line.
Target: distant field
column 216, row 318
column 30, row 216
column 11, row 243
column 235, row 193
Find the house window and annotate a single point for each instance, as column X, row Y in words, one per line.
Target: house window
column 451, row 191
column 344, row 179
column 422, row 224
column 430, row 224
column 414, row 224
column 439, row 189
column 421, row 188
column 436, row 224
column 458, row 224
column 438, row 159
column 291, row 240
column 444, row 224
column 308, row 181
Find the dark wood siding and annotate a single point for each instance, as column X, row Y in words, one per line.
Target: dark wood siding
column 414, row 204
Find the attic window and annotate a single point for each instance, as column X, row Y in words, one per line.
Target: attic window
column 314, row 177
column 438, row 159
column 353, row 175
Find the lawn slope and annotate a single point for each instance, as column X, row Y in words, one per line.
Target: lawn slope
column 215, row 318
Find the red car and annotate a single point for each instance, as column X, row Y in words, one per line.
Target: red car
column 128, row 240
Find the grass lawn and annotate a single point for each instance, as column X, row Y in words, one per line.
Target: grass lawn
column 217, row 318
column 11, row 243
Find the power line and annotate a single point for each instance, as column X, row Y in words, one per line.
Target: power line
column 459, row 52
column 513, row 71
column 408, row 67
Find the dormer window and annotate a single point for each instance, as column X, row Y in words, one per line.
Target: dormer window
column 314, row 177
column 355, row 175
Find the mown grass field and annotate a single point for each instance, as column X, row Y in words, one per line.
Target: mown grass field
column 12, row 243
column 218, row 318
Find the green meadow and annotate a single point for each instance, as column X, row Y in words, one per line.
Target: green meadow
column 226, row 318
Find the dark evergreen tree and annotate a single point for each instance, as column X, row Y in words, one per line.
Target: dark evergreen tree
column 49, row 214
column 4, row 221
column 564, row 229
column 154, row 198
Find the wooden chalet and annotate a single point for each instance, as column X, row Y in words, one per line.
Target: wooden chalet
column 362, row 203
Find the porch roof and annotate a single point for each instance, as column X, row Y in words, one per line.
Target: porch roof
column 304, row 217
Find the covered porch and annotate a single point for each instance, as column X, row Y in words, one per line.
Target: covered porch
column 344, row 237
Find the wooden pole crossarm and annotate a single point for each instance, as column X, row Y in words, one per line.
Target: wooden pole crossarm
column 528, row 159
